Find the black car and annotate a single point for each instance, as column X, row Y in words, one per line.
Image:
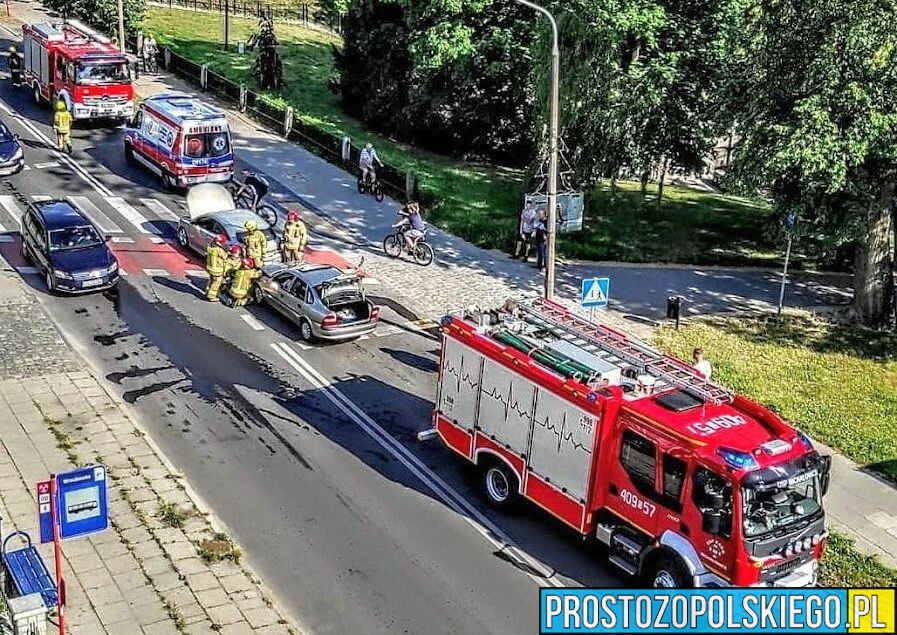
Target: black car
column 67, row 248
column 12, row 157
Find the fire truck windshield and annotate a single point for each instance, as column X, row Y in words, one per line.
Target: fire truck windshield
column 106, row 73
column 786, row 502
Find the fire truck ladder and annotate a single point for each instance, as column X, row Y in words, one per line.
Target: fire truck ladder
column 595, row 337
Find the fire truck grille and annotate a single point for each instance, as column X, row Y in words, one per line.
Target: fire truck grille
column 100, row 101
column 782, row 569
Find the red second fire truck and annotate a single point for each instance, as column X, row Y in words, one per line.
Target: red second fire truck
column 685, row 482
column 79, row 65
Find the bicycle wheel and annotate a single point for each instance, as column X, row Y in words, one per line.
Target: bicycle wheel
column 378, row 192
column 392, row 245
column 361, row 186
column 423, row 254
column 268, row 214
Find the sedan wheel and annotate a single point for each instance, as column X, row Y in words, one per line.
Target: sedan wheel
column 51, row 283
column 258, row 295
column 182, row 237
column 25, row 253
column 305, row 331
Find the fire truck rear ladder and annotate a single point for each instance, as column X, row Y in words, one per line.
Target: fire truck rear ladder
column 595, row 337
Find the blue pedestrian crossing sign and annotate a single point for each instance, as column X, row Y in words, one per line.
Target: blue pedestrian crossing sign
column 595, row 293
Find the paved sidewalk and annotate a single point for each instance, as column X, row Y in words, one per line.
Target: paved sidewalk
column 153, row 571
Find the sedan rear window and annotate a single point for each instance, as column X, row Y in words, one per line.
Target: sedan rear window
column 80, row 237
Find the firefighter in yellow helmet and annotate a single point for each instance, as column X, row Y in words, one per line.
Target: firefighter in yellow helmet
column 216, row 261
column 256, row 243
column 234, row 258
column 242, row 281
column 294, row 238
column 62, row 124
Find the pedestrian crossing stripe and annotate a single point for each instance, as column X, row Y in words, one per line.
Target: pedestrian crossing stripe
column 595, row 292
column 87, row 207
column 134, row 217
column 12, row 208
column 159, row 209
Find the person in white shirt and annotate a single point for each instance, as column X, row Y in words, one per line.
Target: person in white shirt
column 701, row 365
column 528, row 218
column 366, row 162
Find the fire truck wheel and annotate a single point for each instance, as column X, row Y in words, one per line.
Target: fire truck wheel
column 666, row 572
column 499, row 485
column 38, row 99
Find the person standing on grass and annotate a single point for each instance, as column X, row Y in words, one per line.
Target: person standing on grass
column 700, row 364
column 525, row 232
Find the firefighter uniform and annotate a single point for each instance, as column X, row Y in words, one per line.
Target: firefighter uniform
column 294, row 238
column 232, row 263
column 256, row 243
column 62, row 124
column 216, row 262
column 242, row 282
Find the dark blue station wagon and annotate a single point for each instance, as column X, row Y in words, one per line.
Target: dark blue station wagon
column 67, row 248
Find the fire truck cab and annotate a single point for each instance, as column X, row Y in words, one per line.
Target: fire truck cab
column 71, row 61
column 685, row 482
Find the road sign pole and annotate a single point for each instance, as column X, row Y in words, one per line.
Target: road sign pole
column 784, row 274
column 57, row 555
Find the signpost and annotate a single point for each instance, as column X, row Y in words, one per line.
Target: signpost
column 595, row 294
column 71, row 505
column 790, row 222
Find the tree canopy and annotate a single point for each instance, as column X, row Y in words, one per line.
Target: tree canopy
column 102, row 14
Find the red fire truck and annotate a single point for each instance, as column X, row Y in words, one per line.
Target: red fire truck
column 685, row 482
column 73, row 62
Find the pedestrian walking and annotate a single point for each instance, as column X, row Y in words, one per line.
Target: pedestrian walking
column 700, row 364
column 294, row 238
column 525, row 231
column 62, row 125
column 242, row 281
column 216, row 262
column 540, row 237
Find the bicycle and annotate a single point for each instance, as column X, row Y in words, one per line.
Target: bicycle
column 249, row 195
column 372, row 187
column 395, row 244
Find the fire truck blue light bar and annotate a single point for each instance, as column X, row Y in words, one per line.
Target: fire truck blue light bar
column 718, row 611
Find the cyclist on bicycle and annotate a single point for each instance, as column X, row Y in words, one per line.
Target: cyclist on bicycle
column 256, row 186
column 412, row 219
column 366, row 163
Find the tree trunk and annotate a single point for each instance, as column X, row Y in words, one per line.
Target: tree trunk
column 664, row 164
column 873, row 296
column 645, row 177
column 613, row 182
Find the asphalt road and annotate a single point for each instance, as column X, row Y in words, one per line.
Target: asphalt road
column 307, row 454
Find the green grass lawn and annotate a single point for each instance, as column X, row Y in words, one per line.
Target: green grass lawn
column 477, row 202
column 844, row 566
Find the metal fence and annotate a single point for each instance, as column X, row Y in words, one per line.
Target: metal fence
column 278, row 117
column 303, row 13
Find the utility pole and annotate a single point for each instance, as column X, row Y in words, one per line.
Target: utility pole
column 226, row 24
column 554, row 119
column 790, row 221
column 121, row 26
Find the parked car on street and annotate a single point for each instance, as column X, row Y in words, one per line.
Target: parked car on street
column 324, row 302
column 212, row 212
column 12, row 156
column 67, row 248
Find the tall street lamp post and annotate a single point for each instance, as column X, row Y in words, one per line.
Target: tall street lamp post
column 121, row 26
column 554, row 115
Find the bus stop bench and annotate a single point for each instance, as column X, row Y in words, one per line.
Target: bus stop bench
column 26, row 572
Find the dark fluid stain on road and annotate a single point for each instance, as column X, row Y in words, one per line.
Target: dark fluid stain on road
column 134, row 371
column 122, row 357
column 131, row 396
column 211, row 365
column 81, row 311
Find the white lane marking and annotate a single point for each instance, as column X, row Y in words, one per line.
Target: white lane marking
column 386, row 331
column 157, row 239
column 159, row 209
column 134, row 217
column 9, row 203
column 122, row 272
column 197, row 273
column 48, row 164
column 536, row 570
column 155, row 273
column 27, row 270
column 370, row 281
column 252, row 322
column 51, row 146
column 6, row 238
column 41, row 197
column 122, row 239
column 303, row 346
column 93, row 213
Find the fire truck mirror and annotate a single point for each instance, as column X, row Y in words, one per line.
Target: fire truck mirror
column 825, row 476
